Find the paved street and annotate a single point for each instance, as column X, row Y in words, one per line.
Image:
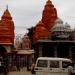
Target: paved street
column 19, row 73
column 22, row 72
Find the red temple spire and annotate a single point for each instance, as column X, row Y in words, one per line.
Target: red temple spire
column 7, row 14
column 7, row 28
column 43, row 28
column 49, row 15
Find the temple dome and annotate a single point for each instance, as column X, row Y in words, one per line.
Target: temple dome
column 58, row 20
column 59, row 26
column 61, row 30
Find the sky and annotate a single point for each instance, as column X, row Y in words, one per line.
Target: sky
column 27, row 13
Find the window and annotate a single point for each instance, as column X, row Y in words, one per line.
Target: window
column 54, row 64
column 65, row 64
column 42, row 63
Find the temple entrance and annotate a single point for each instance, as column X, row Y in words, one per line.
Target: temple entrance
column 48, row 51
column 63, row 51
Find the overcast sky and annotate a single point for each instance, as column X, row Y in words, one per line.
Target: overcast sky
column 27, row 13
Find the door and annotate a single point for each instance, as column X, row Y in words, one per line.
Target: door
column 54, row 67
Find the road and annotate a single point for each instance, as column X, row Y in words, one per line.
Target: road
column 19, row 73
column 22, row 72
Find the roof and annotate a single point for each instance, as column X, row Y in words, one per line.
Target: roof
column 62, row 36
column 26, row 52
column 54, row 58
column 55, row 41
column 6, row 43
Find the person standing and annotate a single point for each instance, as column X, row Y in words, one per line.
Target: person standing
column 70, row 69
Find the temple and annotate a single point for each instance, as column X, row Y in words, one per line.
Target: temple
column 6, row 31
column 9, row 51
column 51, row 37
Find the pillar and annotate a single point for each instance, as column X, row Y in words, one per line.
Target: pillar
column 55, row 51
column 28, row 69
column 70, row 53
column 40, row 50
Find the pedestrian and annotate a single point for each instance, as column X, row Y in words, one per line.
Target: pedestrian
column 1, row 66
column 18, row 67
column 70, row 69
column 0, row 63
column 5, row 70
column 32, row 68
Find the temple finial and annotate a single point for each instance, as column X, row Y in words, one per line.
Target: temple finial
column 49, row 2
column 7, row 7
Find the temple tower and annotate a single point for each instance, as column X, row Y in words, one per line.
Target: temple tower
column 49, row 15
column 6, row 30
column 43, row 28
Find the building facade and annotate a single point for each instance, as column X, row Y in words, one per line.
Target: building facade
column 52, row 37
column 25, row 54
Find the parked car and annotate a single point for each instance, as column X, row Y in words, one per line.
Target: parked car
column 51, row 66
